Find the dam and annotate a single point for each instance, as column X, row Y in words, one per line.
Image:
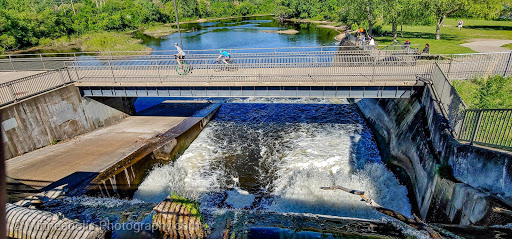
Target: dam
column 247, row 155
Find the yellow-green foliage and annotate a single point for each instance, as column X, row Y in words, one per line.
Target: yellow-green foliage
column 509, row 46
column 110, row 41
column 160, row 31
column 489, row 93
column 192, row 206
column 98, row 41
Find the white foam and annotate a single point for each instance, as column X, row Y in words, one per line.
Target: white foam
column 326, row 159
column 239, row 198
column 303, row 158
column 290, row 100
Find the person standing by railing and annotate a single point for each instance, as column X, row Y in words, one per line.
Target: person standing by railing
column 180, row 55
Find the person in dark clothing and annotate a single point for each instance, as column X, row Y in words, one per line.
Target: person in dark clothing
column 426, row 50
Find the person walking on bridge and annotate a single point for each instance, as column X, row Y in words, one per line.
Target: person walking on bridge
column 180, row 55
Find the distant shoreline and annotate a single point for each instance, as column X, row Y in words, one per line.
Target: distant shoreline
column 324, row 24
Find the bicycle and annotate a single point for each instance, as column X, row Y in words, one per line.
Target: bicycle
column 183, row 68
column 221, row 66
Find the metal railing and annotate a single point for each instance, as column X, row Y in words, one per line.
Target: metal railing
column 16, row 90
column 450, row 101
column 49, row 61
column 469, row 66
column 325, row 67
column 487, row 127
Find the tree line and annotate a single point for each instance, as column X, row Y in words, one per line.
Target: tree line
column 369, row 13
column 26, row 23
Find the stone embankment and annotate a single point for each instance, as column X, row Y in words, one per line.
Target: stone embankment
column 449, row 181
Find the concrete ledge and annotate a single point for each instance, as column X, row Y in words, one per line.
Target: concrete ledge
column 123, row 178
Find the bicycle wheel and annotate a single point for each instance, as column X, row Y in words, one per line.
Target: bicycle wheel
column 218, row 66
column 183, row 69
column 232, row 66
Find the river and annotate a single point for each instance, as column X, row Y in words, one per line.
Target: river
column 261, row 155
column 243, row 33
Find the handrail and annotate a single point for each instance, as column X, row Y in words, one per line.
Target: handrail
column 273, row 49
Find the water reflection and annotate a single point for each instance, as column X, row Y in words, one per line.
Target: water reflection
column 244, row 33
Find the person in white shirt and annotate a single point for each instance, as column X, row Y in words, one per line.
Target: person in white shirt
column 180, row 55
column 372, row 42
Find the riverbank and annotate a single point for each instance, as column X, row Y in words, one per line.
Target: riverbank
column 91, row 42
column 337, row 26
column 167, row 29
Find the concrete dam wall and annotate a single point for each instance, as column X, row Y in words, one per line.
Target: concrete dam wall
column 450, row 181
column 57, row 115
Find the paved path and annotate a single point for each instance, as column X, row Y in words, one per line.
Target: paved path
column 10, row 76
column 487, row 45
column 90, row 153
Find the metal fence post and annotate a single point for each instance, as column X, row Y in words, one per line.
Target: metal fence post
column 464, row 114
column 449, row 68
column 476, row 126
column 508, row 64
column 11, row 89
column 12, row 64
column 111, row 69
column 374, row 65
column 42, row 62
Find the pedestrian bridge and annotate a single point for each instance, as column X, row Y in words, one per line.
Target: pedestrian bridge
column 341, row 72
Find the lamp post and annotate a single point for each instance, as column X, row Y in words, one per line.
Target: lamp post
column 178, row 23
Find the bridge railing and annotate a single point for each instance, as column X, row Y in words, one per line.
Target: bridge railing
column 468, row 66
column 324, row 68
column 16, row 90
column 49, row 61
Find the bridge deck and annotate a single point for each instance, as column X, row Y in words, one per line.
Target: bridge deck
column 234, row 76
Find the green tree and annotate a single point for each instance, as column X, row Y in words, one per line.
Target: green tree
column 399, row 12
column 441, row 9
column 363, row 11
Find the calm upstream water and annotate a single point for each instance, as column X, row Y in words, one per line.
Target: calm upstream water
column 243, row 33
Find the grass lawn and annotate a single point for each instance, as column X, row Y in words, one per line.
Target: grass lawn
column 451, row 37
column 509, row 46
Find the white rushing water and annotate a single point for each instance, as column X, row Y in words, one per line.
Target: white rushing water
column 276, row 158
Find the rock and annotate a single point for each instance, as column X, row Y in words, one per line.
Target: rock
column 179, row 217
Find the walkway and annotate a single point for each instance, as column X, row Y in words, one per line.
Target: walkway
column 10, row 76
column 89, row 154
column 487, row 45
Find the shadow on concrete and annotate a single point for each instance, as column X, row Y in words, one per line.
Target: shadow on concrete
column 170, row 109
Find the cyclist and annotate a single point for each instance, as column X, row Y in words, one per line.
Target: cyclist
column 180, row 55
column 224, row 56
